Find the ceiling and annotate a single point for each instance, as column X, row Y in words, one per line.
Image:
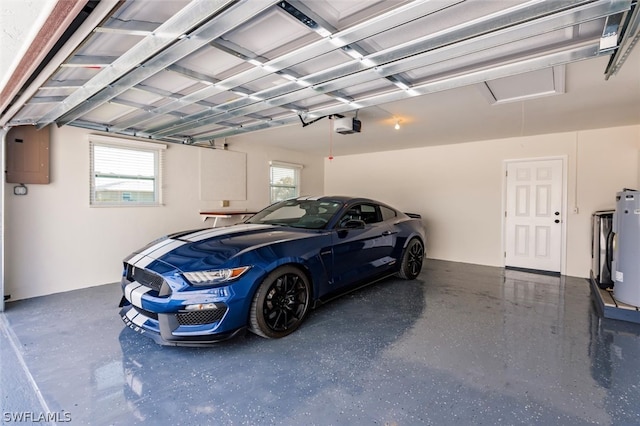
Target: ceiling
column 206, row 72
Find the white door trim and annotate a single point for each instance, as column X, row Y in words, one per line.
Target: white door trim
column 563, row 216
column 3, row 136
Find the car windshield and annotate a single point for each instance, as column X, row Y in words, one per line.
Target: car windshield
column 308, row 214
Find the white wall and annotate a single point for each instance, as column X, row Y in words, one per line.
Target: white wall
column 55, row 242
column 458, row 188
column 312, row 179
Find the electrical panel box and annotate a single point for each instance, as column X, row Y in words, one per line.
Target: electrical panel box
column 27, row 155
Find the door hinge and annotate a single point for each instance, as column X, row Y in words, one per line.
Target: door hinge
column 505, row 254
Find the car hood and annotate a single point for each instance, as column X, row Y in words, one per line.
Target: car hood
column 214, row 247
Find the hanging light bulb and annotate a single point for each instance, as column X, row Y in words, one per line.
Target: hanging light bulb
column 397, row 126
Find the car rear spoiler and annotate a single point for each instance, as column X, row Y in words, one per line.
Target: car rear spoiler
column 413, row 215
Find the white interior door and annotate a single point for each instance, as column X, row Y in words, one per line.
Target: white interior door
column 3, row 133
column 533, row 217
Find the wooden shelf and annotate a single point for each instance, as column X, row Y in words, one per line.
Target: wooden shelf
column 223, row 214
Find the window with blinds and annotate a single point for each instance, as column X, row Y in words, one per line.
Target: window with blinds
column 285, row 181
column 126, row 173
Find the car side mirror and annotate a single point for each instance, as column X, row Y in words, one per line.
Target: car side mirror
column 353, row 224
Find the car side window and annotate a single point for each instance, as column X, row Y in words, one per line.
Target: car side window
column 387, row 213
column 368, row 213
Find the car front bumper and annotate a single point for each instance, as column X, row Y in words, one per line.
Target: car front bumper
column 166, row 331
column 185, row 318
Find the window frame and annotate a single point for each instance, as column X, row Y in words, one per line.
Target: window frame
column 133, row 145
column 297, row 169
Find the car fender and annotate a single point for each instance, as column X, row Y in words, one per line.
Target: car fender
column 313, row 267
column 411, row 236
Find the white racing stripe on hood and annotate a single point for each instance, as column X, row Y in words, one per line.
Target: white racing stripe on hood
column 145, row 257
column 155, row 252
column 143, row 263
column 161, row 251
column 227, row 230
column 148, row 250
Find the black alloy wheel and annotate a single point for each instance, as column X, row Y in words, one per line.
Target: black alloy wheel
column 281, row 303
column 412, row 260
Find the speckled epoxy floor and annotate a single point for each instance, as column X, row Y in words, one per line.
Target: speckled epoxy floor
column 463, row 344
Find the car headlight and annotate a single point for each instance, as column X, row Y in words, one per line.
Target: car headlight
column 216, row 276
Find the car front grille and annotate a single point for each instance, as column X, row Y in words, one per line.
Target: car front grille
column 207, row 316
column 148, row 279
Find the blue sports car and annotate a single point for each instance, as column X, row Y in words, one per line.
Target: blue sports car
column 198, row 287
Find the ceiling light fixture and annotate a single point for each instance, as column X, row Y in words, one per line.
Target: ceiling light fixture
column 397, row 126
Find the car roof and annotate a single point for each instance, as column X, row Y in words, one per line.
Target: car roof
column 342, row 199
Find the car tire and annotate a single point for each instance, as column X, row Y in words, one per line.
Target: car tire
column 281, row 303
column 412, row 260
